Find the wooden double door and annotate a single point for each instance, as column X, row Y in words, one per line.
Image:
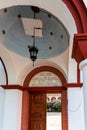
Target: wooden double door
column 37, row 111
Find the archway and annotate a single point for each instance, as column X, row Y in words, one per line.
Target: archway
column 57, row 89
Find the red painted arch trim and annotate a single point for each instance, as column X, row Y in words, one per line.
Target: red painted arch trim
column 41, row 69
column 45, row 88
column 4, row 70
column 79, row 13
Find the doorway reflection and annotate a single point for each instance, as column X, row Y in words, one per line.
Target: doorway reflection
column 54, row 112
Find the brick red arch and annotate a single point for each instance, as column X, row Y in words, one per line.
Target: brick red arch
column 79, row 13
column 41, row 69
column 25, row 101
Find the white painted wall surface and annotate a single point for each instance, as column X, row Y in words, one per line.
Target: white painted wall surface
column 75, row 109
column 2, row 95
column 12, row 110
column 83, row 68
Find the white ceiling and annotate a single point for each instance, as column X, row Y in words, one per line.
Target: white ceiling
column 55, row 47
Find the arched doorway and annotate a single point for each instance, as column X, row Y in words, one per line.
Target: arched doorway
column 39, row 94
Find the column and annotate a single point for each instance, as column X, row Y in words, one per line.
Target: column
column 79, row 53
column 83, row 67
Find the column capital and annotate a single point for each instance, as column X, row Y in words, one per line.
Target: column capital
column 83, row 64
column 79, row 52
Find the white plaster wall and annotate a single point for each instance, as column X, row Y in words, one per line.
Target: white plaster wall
column 2, row 95
column 8, row 64
column 72, row 71
column 12, row 110
column 75, row 109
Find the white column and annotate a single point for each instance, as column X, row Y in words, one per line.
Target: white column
column 83, row 67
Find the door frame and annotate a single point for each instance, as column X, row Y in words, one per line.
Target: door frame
column 56, row 89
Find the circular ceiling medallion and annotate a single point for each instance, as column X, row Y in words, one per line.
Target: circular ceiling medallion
column 54, row 41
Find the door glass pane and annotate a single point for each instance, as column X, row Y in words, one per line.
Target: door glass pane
column 53, row 115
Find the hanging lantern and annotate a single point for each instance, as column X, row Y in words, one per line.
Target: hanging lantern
column 33, row 49
column 33, row 52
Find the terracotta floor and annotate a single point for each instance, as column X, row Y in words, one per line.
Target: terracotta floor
column 54, row 121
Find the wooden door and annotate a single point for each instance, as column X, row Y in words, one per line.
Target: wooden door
column 37, row 111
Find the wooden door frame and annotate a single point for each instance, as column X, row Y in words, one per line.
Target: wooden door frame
column 63, row 92
column 25, row 104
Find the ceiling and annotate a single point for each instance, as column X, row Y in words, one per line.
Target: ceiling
column 55, row 47
column 55, row 37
